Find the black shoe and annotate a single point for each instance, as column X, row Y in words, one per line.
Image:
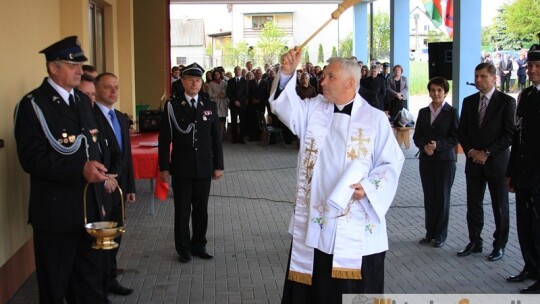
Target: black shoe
column 534, row 288
column 117, row 288
column 471, row 247
column 425, row 240
column 438, row 244
column 203, row 254
column 496, row 254
column 522, row 276
column 184, row 256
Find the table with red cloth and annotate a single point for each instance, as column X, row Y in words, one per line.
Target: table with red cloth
column 144, row 150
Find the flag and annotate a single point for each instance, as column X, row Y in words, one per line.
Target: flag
column 434, row 11
column 449, row 18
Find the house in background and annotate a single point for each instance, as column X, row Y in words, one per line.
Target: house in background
column 420, row 25
column 188, row 42
column 217, row 40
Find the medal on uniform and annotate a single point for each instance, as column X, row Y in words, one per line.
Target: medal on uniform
column 202, row 104
column 71, row 138
column 94, row 133
column 204, row 118
column 64, row 134
column 183, row 103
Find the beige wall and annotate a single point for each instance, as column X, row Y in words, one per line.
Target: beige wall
column 152, row 51
column 26, row 27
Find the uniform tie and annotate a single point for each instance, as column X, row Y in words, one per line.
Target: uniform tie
column 193, row 105
column 72, row 104
column 116, row 127
column 482, row 111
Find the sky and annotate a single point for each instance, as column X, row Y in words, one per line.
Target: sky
column 213, row 13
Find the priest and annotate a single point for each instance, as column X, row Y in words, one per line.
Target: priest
column 348, row 171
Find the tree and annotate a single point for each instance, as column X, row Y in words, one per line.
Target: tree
column 334, row 51
column 381, row 35
column 271, row 42
column 345, row 47
column 306, row 54
column 320, row 56
column 521, row 21
column 235, row 55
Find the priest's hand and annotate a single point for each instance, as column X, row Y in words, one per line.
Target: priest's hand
column 290, row 60
column 358, row 191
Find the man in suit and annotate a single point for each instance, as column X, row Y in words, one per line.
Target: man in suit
column 375, row 84
column 505, row 69
column 485, row 132
column 58, row 144
column 237, row 92
column 115, row 128
column 523, row 174
column 258, row 93
column 191, row 123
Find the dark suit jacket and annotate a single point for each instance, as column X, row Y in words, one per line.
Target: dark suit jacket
column 123, row 165
column 495, row 135
column 377, row 85
column 371, row 98
column 191, row 156
column 524, row 163
column 443, row 131
column 502, row 68
column 56, row 180
column 259, row 92
column 237, row 91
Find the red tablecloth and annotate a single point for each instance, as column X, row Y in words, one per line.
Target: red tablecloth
column 145, row 161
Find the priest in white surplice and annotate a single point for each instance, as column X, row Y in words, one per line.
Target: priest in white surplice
column 348, row 170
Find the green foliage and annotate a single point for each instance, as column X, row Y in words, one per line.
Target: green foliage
column 270, row 44
column 306, row 55
column 320, row 56
column 521, row 22
column 381, row 35
column 346, row 46
column 208, row 50
column 334, row 51
column 235, row 55
column 437, row 36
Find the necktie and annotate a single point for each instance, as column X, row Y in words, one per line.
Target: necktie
column 482, row 111
column 116, row 128
column 193, row 105
column 72, row 104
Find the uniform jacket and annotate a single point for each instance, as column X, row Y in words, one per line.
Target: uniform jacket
column 443, row 131
column 56, row 180
column 192, row 156
column 524, row 164
column 237, row 91
column 124, row 160
column 495, row 135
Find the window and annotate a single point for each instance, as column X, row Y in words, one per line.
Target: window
column 181, row 60
column 257, row 22
column 96, row 19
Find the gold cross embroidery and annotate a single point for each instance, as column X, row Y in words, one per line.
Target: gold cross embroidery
column 309, row 163
column 354, row 154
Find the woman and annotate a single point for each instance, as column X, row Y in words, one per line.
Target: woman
column 436, row 136
column 217, row 89
column 208, row 77
column 397, row 92
column 364, row 71
column 304, row 89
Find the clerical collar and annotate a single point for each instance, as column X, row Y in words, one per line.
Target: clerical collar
column 344, row 109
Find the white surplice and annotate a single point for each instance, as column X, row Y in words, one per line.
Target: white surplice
column 337, row 150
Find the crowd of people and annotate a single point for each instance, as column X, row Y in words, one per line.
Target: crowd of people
column 511, row 69
column 73, row 142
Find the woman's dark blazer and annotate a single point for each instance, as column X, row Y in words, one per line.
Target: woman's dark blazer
column 443, row 131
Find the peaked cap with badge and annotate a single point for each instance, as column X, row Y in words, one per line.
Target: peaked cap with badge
column 534, row 53
column 68, row 49
column 193, row 70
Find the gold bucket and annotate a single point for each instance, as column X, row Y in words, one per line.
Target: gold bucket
column 104, row 232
